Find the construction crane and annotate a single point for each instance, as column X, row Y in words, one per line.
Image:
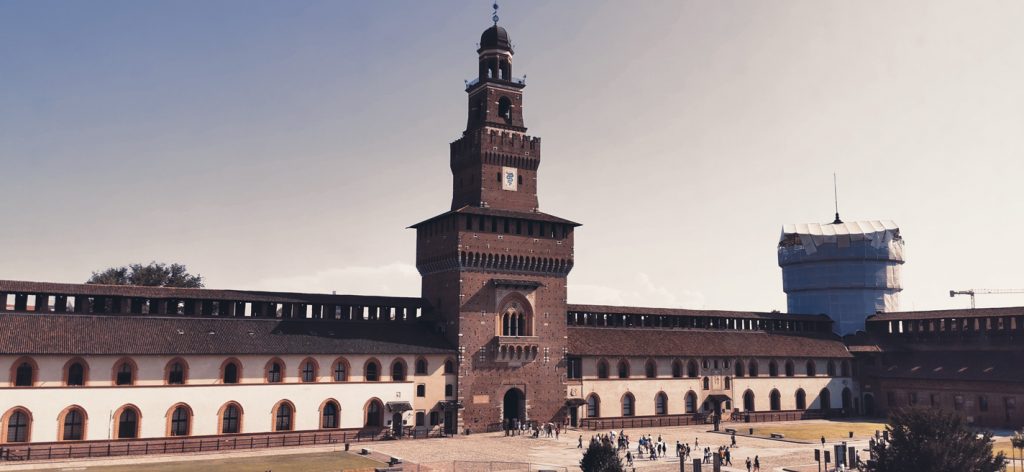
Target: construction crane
column 983, row 291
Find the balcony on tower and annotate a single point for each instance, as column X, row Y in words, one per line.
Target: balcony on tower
column 516, row 349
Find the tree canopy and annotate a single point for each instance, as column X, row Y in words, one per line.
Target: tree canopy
column 601, row 456
column 932, row 440
column 154, row 274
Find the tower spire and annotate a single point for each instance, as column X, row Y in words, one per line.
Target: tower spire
column 494, row 16
column 835, row 197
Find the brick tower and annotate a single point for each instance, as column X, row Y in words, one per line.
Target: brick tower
column 494, row 267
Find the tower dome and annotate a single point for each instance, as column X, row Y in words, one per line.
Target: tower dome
column 495, row 37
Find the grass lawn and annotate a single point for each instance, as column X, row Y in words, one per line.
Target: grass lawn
column 312, row 462
column 811, row 431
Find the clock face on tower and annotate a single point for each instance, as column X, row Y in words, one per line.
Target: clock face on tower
column 509, row 178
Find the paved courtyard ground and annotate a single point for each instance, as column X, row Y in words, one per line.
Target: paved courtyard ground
column 493, row 452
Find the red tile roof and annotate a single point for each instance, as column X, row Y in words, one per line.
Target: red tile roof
column 587, row 341
column 952, row 365
column 139, row 334
column 471, row 210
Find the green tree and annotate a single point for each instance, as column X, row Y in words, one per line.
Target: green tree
column 154, row 274
column 928, row 439
column 600, row 457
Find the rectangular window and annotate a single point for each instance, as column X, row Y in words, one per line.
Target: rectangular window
column 574, row 367
column 435, row 418
column 421, row 390
column 449, row 390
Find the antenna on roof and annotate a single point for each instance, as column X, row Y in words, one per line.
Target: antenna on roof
column 835, row 196
column 495, row 16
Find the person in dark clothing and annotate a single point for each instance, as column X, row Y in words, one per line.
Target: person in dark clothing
column 579, row 445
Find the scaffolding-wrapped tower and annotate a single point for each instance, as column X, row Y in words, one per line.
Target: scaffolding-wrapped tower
column 845, row 270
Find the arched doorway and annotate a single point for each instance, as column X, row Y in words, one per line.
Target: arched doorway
column 847, row 401
column 826, row 399
column 396, row 424
column 869, row 405
column 514, row 405
column 748, row 401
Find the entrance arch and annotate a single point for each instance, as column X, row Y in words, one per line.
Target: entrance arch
column 847, row 401
column 514, row 405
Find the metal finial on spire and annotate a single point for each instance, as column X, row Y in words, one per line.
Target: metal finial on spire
column 835, row 196
column 495, row 16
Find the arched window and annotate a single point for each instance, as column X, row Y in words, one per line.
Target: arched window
column 593, row 406
column 127, row 426
column 17, row 427
column 449, row 366
column 706, row 383
column 845, row 369
column 24, row 372
column 505, row 108
column 329, row 415
column 661, row 404
column 124, row 372
column 775, row 400
column 728, row 383
column 691, row 402
column 275, row 371
column 371, row 372
column 623, row 369
column 826, row 399
column 340, row 370
column 790, row 369
column 176, row 372
column 283, row 414
column 812, row 370
column 231, row 371
column 748, row 401
column 738, row 369
column 773, row 369
column 801, row 399
column 421, row 366
column 677, row 369
column 72, row 424
column 374, row 413
column 398, row 371
column 231, row 418
column 421, row 418
column 309, row 370
column 180, row 423
column 76, row 372
column 602, row 369
column 752, row 368
column 651, row 369
column 831, row 368
column 691, row 369
column 627, row 404
column 516, row 320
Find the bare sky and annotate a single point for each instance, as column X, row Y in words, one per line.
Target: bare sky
column 287, row 145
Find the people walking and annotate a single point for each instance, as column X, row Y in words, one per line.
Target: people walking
column 757, row 464
column 749, row 464
column 579, row 445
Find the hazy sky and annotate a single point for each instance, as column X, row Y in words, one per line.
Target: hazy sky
column 287, row 145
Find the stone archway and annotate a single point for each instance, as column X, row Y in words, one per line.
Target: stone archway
column 514, row 405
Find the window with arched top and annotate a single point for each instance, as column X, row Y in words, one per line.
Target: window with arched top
column 76, row 372
column 180, row 421
column 831, row 368
column 593, row 406
column 775, row 400
column 421, row 366
column 275, row 371
column 628, row 403
column 812, row 369
column 691, row 369
column 231, row 371
column 284, row 413
column 176, row 372
column 516, row 320
column 825, row 398
column 330, row 413
column 773, row 369
column 602, row 369
column 706, row 383
column 505, row 108
column 661, row 404
column 17, row 426
column 449, row 366
column 651, row 369
column 845, row 369
column 371, row 372
column 398, row 371
column 309, row 370
column 126, row 424
column 677, row 369
column 623, row 369
column 801, row 399
column 72, row 424
column 124, row 372
column 691, row 402
column 24, row 372
column 790, row 369
column 374, row 413
column 748, row 401
column 230, row 418
column 728, row 383
column 340, row 370
column 752, row 368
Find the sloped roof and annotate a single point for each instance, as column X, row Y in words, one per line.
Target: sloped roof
column 950, row 365
column 33, row 333
column 636, row 310
column 955, row 313
column 472, row 210
column 654, row 342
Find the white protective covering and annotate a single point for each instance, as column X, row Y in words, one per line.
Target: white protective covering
column 881, row 233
